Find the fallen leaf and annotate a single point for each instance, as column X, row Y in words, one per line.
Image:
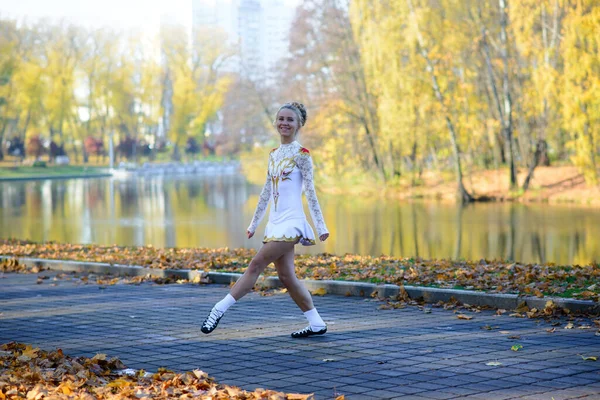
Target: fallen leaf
column 517, row 337
column 297, row 396
column 551, row 330
column 516, row 347
column 493, row 363
column 569, row 326
column 488, row 327
column 328, row 359
column 522, row 307
column 591, row 358
column 462, row 316
column 30, row 352
column 319, row 292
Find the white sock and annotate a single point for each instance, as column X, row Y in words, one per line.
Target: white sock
column 315, row 320
column 224, row 304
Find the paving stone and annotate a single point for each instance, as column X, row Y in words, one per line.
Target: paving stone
column 378, row 354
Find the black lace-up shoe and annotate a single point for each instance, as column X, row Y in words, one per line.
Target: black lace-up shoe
column 211, row 322
column 306, row 332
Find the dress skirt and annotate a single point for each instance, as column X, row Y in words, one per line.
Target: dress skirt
column 296, row 230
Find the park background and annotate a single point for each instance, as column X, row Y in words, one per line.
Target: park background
column 412, row 105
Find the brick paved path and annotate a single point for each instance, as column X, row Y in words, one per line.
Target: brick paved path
column 367, row 354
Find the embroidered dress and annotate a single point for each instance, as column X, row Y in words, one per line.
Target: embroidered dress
column 290, row 172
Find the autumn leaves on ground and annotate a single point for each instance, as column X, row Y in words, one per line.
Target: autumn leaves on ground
column 31, row 373
column 493, row 276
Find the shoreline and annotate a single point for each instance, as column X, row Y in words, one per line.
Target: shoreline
column 558, row 185
column 46, row 177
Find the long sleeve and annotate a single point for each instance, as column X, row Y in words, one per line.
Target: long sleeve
column 261, row 207
column 306, row 168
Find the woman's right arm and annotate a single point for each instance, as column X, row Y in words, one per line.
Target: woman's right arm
column 261, row 207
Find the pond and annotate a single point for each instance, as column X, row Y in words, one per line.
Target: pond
column 214, row 212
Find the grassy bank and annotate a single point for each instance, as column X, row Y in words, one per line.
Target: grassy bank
column 552, row 185
column 493, row 276
column 21, row 172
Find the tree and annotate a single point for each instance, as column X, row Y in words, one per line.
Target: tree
column 581, row 80
column 198, row 87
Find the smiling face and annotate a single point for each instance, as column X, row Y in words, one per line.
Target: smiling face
column 287, row 123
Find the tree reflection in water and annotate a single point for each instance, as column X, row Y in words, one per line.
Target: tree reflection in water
column 215, row 211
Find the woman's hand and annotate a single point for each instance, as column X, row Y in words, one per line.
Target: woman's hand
column 249, row 234
column 324, row 237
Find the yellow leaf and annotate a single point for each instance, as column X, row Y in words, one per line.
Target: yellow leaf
column 591, row 358
column 319, row 292
column 66, row 388
column 462, row 316
column 298, row 396
column 232, row 391
column 120, row 383
column 522, row 308
column 30, row 352
column 516, row 347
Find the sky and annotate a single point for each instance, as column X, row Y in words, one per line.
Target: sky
column 124, row 14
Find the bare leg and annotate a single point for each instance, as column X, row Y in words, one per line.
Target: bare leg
column 287, row 276
column 267, row 254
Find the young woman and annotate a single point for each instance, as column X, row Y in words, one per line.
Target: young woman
column 290, row 171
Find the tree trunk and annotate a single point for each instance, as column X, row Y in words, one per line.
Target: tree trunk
column 462, row 193
column 507, row 126
column 539, row 150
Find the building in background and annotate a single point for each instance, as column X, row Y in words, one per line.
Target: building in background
column 257, row 29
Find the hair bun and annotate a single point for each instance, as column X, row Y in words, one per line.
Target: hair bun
column 302, row 110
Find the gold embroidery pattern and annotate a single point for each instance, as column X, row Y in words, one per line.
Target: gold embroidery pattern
column 280, row 170
column 291, row 239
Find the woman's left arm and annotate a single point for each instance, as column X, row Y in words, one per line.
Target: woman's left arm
column 305, row 165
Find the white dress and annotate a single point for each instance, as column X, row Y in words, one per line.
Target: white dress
column 290, row 171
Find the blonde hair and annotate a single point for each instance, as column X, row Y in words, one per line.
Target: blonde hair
column 298, row 108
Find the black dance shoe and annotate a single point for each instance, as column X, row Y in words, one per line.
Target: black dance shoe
column 211, row 322
column 306, row 332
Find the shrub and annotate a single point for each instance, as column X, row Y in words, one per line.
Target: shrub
column 191, row 146
column 16, row 147
column 125, row 147
column 35, row 147
column 56, row 150
column 93, row 146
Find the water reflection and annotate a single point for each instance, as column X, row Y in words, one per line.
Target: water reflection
column 215, row 211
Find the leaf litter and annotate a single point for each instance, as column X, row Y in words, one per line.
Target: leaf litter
column 492, row 276
column 31, row 373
